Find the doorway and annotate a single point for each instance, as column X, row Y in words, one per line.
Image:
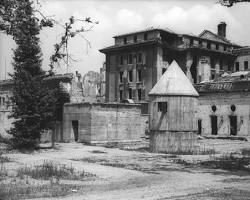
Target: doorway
column 199, row 126
column 75, row 129
column 233, row 125
column 214, row 125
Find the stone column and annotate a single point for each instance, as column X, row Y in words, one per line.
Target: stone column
column 189, row 62
column 217, row 68
column 159, row 55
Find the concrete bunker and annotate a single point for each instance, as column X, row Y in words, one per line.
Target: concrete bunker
column 100, row 123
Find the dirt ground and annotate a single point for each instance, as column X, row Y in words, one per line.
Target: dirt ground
column 137, row 174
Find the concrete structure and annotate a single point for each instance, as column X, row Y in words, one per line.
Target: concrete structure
column 137, row 60
column 242, row 62
column 102, row 91
column 224, row 106
column 5, row 106
column 70, row 91
column 172, row 122
column 100, row 123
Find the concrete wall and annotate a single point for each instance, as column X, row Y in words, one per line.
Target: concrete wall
column 102, row 123
column 174, row 130
column 178, row 117
column 170, row 142
column 223, row 102
column 5, row 109
column 241, row 59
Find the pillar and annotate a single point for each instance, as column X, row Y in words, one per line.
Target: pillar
column 189, row 62
column 217, row 68
column 159, row 60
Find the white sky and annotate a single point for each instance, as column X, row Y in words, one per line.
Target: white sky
column 117, row 17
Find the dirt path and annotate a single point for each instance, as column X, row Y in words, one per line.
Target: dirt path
column 137, row 175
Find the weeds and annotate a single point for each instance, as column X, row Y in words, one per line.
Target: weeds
column 50, row 169
column 229, row 162
column 16, row 191
column 197, row 151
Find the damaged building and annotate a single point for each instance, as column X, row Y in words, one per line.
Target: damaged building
column 217, row 67
column 137, row 60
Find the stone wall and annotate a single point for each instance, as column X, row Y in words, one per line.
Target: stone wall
column 103, row 123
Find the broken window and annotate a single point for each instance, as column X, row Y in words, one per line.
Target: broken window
column 139, row 75
column 245, row 65
column 200, row 43
column 125, row 40
column 162, row 107
column 135, row 38
column 145, row 36
column 139, row 58
column 130, row 58
column 121, row 60
column 237, row 66
column 139, row 94
column 130, row 93
column 191, row 42
column 130, row 76
column 208, row 45
column 217, row 46
column 225, row 48
column 121, row 77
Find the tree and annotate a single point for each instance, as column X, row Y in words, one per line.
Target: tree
column 230, row 3
column 33, row 103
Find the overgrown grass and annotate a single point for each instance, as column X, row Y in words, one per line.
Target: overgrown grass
column 230, row 162
column 49, row 169
column 3, row 170
column 197, row 151
column 17, row 191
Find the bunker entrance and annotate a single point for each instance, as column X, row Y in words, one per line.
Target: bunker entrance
column 75, row 129
column 214, row 125
column 199, row 126
column 233, row 125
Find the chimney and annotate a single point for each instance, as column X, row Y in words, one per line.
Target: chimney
column 222, row 29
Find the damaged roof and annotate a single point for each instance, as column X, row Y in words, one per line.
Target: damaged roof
column 174, row 83
column 235, row 82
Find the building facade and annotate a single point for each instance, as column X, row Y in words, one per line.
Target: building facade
column 242, row 62
column 224, row 106
column 137, row 60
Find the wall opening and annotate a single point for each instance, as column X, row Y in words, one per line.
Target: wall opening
column 214, row 125
column 75, row 129
column 199, row 126
column 233, row 125
column 162, row 107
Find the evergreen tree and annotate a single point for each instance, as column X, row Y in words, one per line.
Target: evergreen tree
column 33, row 102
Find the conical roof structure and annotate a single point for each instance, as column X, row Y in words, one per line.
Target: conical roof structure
column 174, row 83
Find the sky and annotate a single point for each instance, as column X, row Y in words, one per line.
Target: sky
column 121, row 16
